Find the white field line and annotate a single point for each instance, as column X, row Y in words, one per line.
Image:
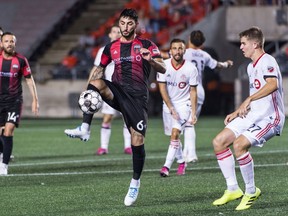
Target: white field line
column 130, row 171
column 123, row 159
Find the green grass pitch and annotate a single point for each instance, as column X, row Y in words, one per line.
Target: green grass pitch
column 53, row 175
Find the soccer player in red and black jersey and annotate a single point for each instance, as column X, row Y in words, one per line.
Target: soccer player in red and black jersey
column 13, row 67
column 128, row 91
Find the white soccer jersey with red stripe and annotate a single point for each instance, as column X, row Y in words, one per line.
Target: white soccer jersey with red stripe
column 271, row 106
column 178, row 81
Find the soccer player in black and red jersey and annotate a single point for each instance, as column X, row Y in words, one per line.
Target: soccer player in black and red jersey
column 13, row 67
column 128, row 91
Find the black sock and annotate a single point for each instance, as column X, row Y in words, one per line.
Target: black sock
column 138, row 160
column 7, row 148
column 87, row 118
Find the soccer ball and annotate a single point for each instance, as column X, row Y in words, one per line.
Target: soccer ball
column 90, row 101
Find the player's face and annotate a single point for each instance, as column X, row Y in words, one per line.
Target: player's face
column 115, row 33
column 127, row 27
column 247, row 47
column 8, row 44
column 177, row 51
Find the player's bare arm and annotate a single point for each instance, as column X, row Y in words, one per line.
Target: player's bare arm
column 167, row 101
column 193, row 98
column 97, row 72
column 226, row 64
column 157, row 63
column 32, row 88
column 270, row 86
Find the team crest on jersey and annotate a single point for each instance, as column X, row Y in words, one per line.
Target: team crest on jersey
column 270, row 69
column 183, row 77
column 137, row 48
column 257, row 84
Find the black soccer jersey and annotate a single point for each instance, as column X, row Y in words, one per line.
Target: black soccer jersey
column 131, row 70
column 11, row 73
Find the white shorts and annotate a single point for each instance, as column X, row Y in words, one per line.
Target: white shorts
column 200, row 94
column 257, row 133
column 169, row 122
column 106, row 109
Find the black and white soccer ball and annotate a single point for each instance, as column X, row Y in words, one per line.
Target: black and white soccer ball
column 90, row 101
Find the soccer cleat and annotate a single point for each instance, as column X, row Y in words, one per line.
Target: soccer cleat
column 132, row 195
column 3, row 169
column 228, row 196
column 248, row 200
column 192, row 160
column 164, row 172
column 181, row 169
column 128, row 150
column 83, row 135
column 101, row 151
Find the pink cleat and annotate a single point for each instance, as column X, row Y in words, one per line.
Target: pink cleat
column 181, row 169
column 101, row 151
column 164, row 172
column 128, row 150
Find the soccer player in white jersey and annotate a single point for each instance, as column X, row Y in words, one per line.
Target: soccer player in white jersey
column 259, row 118
column 108, row 112
column 178, row 90
column 201, row 59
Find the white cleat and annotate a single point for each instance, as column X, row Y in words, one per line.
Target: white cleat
column 83, row 135
column 132, row 195
column 3, row 169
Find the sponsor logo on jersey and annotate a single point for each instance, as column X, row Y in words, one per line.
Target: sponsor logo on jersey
column 270, row 69
column 8, row 74
column 171, row 83
column 137, row 48
column 182, row 85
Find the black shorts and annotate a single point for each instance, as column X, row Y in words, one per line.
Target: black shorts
column 133, row 108
column 10, row 112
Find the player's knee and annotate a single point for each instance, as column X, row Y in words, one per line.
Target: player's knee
column 218, row 143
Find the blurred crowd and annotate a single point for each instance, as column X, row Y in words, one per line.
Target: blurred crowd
column 159, row 20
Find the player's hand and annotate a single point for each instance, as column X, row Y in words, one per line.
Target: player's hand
column 230, row 63
column 35, row 107
column 244, row 108
column 230, row 117
column 146, row 54
column 193, row 119
column 174, row 113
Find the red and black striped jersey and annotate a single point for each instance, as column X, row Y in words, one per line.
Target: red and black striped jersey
column 131, row 70
column 11, row 73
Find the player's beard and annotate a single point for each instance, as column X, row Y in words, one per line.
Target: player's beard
column 9, row 52
column 130, row 34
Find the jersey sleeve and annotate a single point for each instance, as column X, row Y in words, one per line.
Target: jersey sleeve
column 155, row 53
column 105, row 57
column 26, row 69
column 161, row 77
column 270, row 68
column 98, row 56
column 210, row 62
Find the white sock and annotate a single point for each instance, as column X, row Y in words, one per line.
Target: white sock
column 127, row 137
column 190, row 142
column 135, row 183
column 227, row 165
column 179, row 154
column 172, row 150
column 247, row 170
column 105, row 135
column 85, row 126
